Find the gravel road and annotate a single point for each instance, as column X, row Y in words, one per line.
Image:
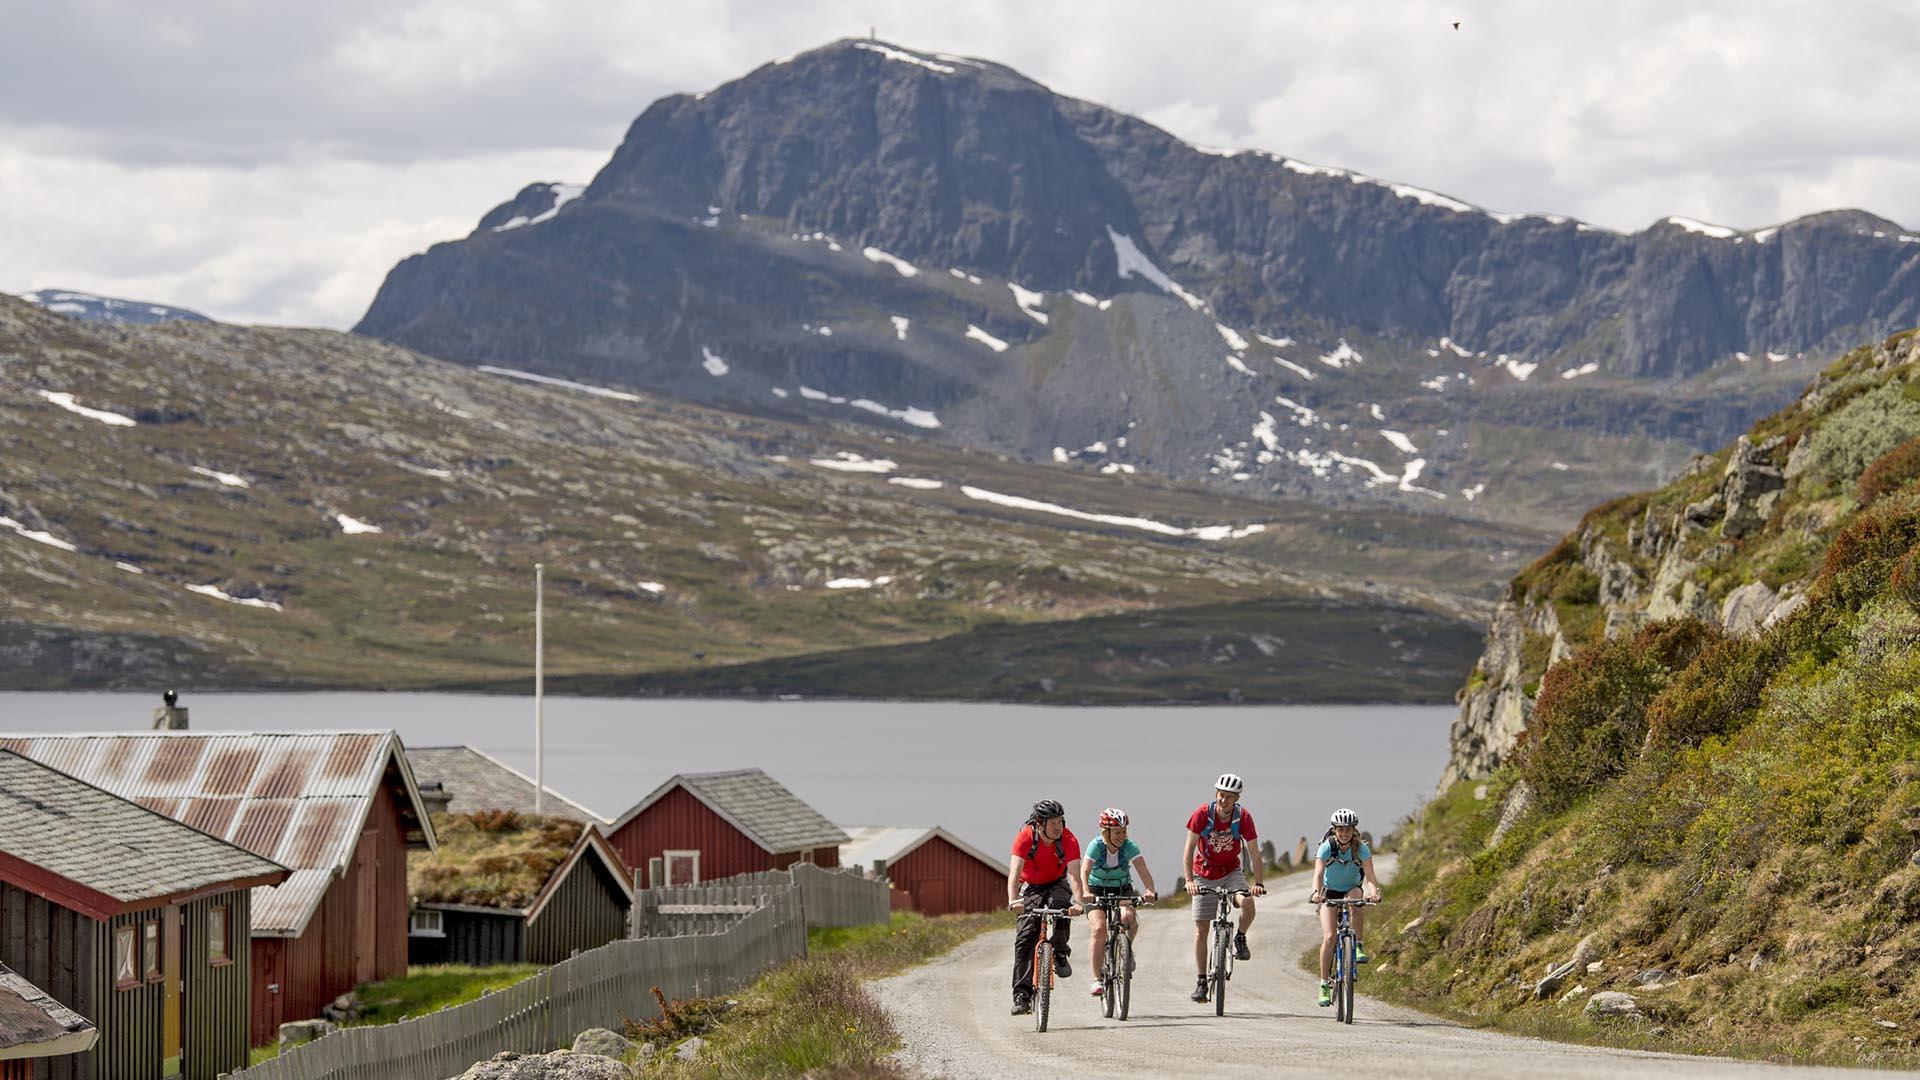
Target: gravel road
column 953, row 1017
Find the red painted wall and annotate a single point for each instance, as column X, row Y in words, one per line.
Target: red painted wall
column 349, row 939
column 971, row 884
column 681, row 822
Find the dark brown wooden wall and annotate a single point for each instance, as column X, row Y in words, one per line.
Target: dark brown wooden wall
column 971, row 885
column 217, row 1000
column 585, row 912
column 333, row 955
column 61, row 952
column 130, row 1021
column 472, row 938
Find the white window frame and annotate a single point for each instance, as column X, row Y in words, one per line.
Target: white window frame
column 666, row 863
column 437, row 929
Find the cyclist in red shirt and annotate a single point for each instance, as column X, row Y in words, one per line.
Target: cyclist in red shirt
column 1217, row 833
column 1045, row 871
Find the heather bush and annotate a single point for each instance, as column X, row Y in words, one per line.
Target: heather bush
column 1889, row 472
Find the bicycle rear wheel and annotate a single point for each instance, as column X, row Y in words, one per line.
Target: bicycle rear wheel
column 1345, row 989
column 1220, row 945
column 1123, row 961
column 1043, row 983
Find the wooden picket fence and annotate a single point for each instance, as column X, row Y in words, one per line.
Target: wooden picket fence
column 765, row 925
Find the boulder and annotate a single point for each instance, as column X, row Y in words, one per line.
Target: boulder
column 1515, row 806
column 559, row 1065
column 603, row 1042
column 690, row 1049
column 1783, row 610
column 1612, row 1003
column 1745, row 610
column 1750, row 487
column 296, row 1032
column 1651, row 977
column 1558, row 975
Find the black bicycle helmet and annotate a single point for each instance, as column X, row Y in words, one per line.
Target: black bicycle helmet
column 1046, row 809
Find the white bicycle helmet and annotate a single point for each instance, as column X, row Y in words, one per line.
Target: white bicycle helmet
column 1229, row 782
column 1344, row 816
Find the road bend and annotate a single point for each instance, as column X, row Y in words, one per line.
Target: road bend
column 953, row 1017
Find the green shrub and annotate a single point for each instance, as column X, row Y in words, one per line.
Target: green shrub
column 1716, row 694
column 1812, row 994
column 1860, row 560
column 1860, row 432
column 1591, row 715
column 1891, row 471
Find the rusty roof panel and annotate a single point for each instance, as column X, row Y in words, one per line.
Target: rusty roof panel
column 296, row 798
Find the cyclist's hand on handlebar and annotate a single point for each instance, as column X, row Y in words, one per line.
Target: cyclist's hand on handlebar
column 1073, row 909
column 1016, row 905
column 1373, row 896
column 1258, row 889
column 1193, row 888
column 1317, row 897
column 1148, row 897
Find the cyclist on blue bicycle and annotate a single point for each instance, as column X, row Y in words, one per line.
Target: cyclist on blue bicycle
column 1111, row 861
column 1217, row 835
column 1343, row 864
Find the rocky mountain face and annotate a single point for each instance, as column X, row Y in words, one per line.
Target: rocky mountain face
column 198, row 504
column 1733, row 541
column 942, row 247
column 87, row 306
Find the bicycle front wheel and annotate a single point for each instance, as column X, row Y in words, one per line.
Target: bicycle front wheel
column 1043, row 983
column 1220, row 945
column 1345, row 989
column 1123, row 964
column 1108, row 969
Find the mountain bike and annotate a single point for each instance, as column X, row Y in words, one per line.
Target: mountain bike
column 1043, row 961
column 1343, row 965
column 1116, row 963
column 1220, row 963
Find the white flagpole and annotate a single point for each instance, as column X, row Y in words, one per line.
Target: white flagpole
column 539, row 688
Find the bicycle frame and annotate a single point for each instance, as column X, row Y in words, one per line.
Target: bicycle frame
column 1112, row 972
column 1042, row 984
column 1344, row 943
column 1221, row 964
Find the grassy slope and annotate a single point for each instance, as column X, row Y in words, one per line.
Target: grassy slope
column 1742, row 814
column 722, row 510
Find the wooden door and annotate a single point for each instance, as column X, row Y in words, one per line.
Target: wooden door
column 366, row 909
column 683, row 868
column 934, row 899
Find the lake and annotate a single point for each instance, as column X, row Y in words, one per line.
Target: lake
column 972, row 768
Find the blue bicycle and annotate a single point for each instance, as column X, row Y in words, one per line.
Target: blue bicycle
column 1344, row 943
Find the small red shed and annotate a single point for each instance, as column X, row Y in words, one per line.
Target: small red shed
column 942, row 873
column 704, row 826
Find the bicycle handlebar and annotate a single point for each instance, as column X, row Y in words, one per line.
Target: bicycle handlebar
column 1346, row 902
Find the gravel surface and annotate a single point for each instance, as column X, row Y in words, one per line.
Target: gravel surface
column 953, row 1018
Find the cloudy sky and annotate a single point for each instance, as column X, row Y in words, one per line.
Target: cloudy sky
column 269, row 162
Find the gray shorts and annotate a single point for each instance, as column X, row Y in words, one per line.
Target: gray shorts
column 1203, row 905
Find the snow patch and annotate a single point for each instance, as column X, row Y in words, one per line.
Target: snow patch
column 1584, row 369
column 900, row 324
column 562, row 195
column 1558, row 466
column 971, row 279
column 859, row 582
column 1449, row 345
column 1204, row 532
column 1234, row 362
column 1305, row 169
column 1473, row 492
column 565, row 384
column 1295, row 368
column 1112, row 467
column 130, row 568
column 36, row 535
column 917, row 483
column 904, row 57
column 712, row 362
column 1274, row 342
column 1776, row 357
column 1060, row 455
column 1717, row 232
column 220, row 594
column 900, row 265
column 227, row 478
column 65, row 401
column 1764, row 235
column 1341, row 356
column 1029, row 301
column 354, row 526
column 915, row 417
column 974, row 333
column 653, row 587
column 778, row 392
column 1430, row 198
column 1519, row 370
column 1232, row 336
column 1130, row 261
column 1400, row 442
column 1089, row 299
column 1302, row 415
column 846, row 461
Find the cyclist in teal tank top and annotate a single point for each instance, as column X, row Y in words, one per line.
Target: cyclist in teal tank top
column 1111, row 861
column 1343, row 863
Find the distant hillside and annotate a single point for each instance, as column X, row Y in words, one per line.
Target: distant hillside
column 91, row 308
column 941, row 247
column 209, row 505
column 1687, row 767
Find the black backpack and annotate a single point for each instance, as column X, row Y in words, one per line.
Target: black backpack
column 1353, row 860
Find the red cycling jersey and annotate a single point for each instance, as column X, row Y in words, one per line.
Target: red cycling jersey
column 1218, row 853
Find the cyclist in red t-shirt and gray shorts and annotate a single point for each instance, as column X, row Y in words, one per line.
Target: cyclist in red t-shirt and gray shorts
column 1217, row 834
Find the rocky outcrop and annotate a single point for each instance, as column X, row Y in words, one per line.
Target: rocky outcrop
column 559, row 1065
column 1498, row 700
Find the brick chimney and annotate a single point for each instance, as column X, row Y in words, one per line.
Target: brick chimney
column 170, row 716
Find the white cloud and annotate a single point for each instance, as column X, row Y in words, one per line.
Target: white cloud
column 272, row 162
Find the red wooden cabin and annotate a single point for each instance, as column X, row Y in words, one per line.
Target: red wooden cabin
column 941, row 873
column 704, row 826
column 340, row 809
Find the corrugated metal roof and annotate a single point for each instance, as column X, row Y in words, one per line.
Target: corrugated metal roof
column 757, row 805
column 894, row 842
column 298, row 798
column 120, row 852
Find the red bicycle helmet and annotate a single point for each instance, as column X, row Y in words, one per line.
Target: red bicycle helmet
column 1112, row 818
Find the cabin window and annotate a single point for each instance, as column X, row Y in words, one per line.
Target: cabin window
column 217, row 951
column 807, row 856
column 126, row 970
column 150, row 950
column 427, row 924
column 683, row 867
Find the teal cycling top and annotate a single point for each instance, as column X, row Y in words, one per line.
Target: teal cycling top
column 1344, row 872
column 1108, row 868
